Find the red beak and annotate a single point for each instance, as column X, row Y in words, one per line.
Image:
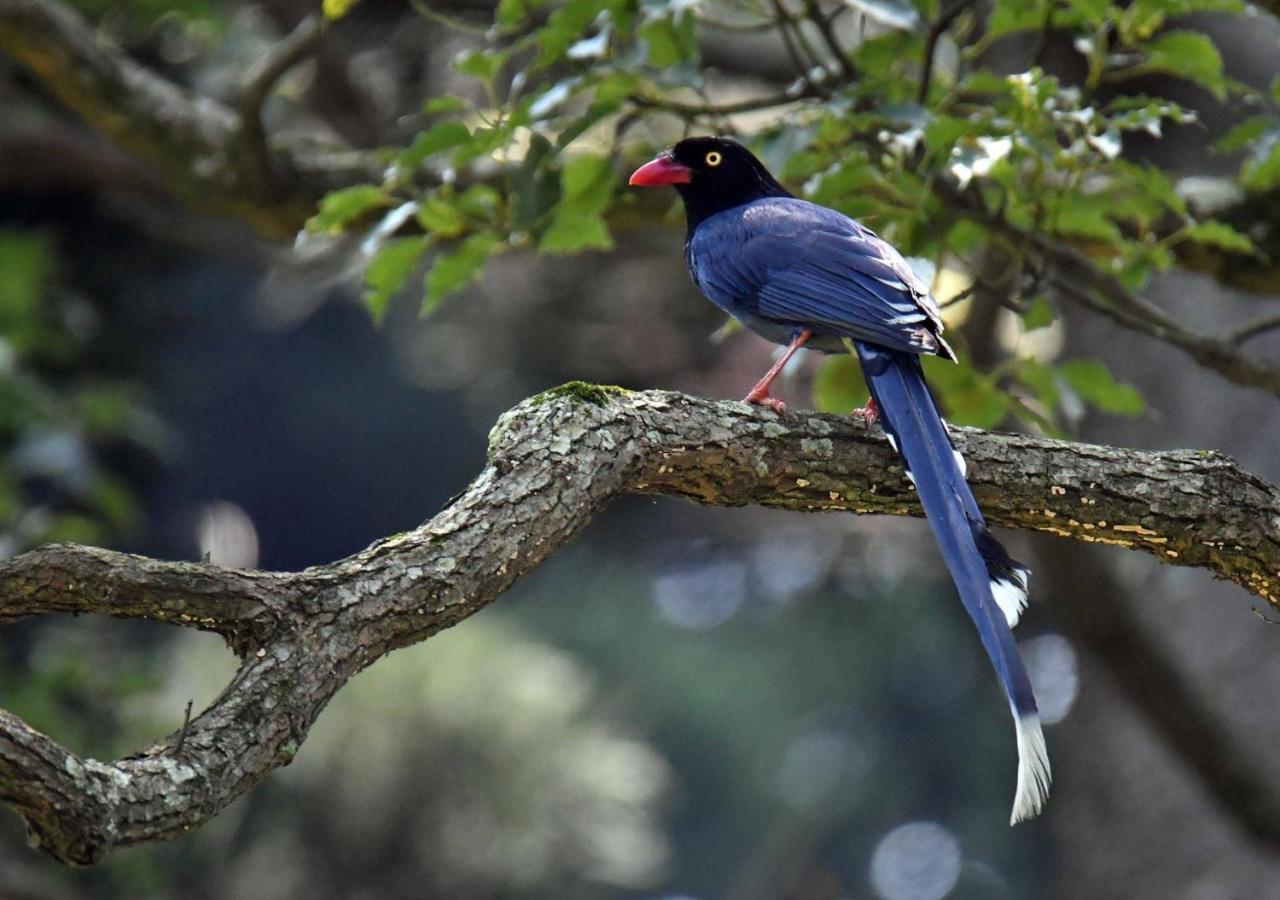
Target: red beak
column 663, row 170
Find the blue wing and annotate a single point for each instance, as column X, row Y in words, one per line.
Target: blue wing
column 782, row 264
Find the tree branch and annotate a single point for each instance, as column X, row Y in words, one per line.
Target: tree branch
column 258, row 83
column 553, row 462
column 936, row 30
column 820, row 21
column 241, row 606
column 1255, row 328
column 195, row 142
column 1077, row 278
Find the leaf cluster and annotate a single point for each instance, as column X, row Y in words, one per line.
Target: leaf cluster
column 965, row 168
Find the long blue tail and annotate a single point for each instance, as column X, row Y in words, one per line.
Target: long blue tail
column 992, row 586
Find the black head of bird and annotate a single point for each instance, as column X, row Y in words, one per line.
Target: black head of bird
column 712, row 174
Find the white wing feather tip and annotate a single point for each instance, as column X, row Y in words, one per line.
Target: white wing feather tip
column 1034, row 774
column 1011, row 596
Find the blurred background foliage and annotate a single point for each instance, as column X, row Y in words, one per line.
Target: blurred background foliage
column 686, row 703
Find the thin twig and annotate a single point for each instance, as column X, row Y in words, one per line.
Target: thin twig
column 936, row 30
column 963, row 295
column 794, row 40
column 823, row 24
column 263, row 76
column 699, row 110
column 182, row 733
column 1252, row 329
column 455, row 23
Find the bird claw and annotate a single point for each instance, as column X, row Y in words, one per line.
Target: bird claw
column 869, row 414
column 765, row 400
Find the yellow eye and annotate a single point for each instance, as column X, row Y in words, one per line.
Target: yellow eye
column 714, row 158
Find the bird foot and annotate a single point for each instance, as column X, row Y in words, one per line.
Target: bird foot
column 869, row 414
column 762, row 398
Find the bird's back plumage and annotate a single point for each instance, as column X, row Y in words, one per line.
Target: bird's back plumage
column 779, row 264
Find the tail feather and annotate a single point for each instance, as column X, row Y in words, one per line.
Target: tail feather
column 1034, row 775
column 992, row 585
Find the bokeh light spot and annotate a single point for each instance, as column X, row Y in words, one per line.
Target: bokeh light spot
column 916, row 861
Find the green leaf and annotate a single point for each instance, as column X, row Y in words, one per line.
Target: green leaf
column 443, row 136
column 482, row 64
column 455, row 270
column 1190, row 55
column 104, row 411
column 615, row 87
column 1040, row 380
column 1093, row 382
column 1094, row 11
column 970, row 397
column 943, row 132
column 441, row 218
column 336, row 9
column 1009, row 16
column 669, row 40
column 1153, row 192
column 586, row 187
column 1083, row 216
column 1261, row 171
column 478, row 201
column 838, row 386
column 1243, row 135
column 1039, row 315
column 1219, row 234
column 389, row 269
column 564, row 27
column 340, row 207
column 511, row 12
column 443, row 104
column 24, row 269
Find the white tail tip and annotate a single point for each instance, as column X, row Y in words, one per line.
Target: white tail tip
column 1011, row 595
column 1034, row 775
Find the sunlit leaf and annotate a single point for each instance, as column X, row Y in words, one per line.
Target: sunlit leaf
column 1093, row 382
column 455, row 269
column 1039, row 315
column 341, row 207
column 336, row 9
column 1009, row 16
column 1219, row 234
column 482, row 64
column 1190, row 55
column 586, row 186
column 441, row 218
column 437, row 138
column 443, row 104
column 968, row 396
column 389, row 269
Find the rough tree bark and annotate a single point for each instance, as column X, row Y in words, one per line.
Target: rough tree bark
column 554, row 461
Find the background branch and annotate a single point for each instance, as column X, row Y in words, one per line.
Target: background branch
column 194, row 141
column 553, row 462
column 263, row 77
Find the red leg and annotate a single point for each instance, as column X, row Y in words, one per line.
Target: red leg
column 869, row 414
column 759, row 394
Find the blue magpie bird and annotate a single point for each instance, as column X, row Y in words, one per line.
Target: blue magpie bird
column 799, row 274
